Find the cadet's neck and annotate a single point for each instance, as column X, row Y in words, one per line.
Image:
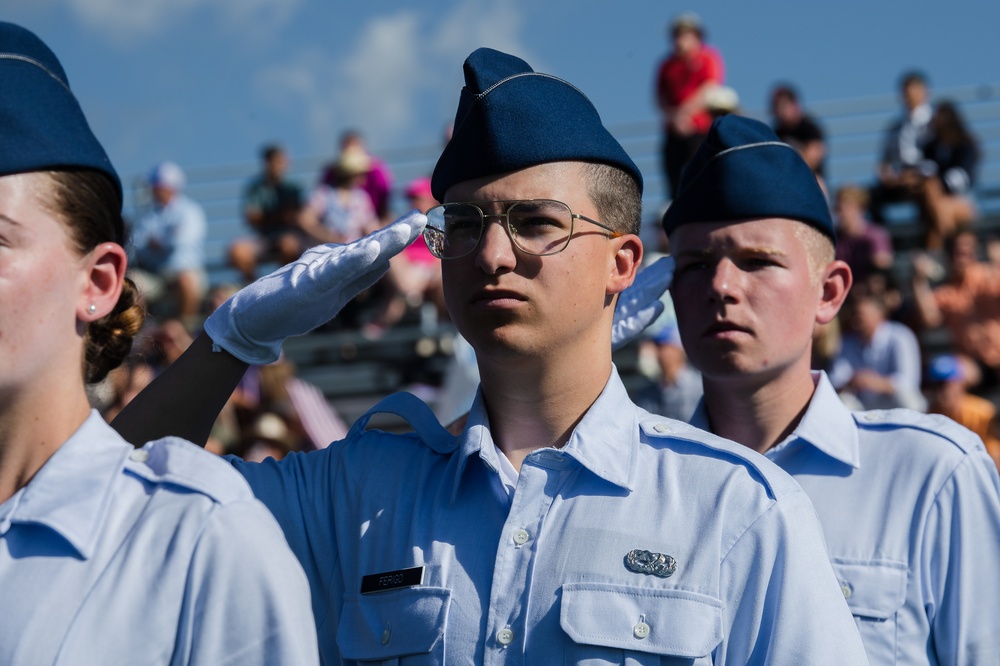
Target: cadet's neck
column 758, row 416
column 536, row 403
column 30, row 431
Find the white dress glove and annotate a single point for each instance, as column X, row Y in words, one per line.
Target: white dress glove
column 298, row 297
column 640, row 305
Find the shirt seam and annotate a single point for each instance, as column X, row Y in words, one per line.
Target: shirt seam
column 774, row 502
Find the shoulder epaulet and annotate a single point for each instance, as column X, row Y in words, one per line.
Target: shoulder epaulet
column 933, row 424
column 415, row 412
column 176, row 461
column 776, row 480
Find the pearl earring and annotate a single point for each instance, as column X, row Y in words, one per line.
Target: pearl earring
column 92, row 308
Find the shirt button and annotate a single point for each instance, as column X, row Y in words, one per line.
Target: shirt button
column 139, row 456
column 505, row 636
column 386, row 635
column 640, row 630
column 661, row 427
column 521, row 537
column 847, row 589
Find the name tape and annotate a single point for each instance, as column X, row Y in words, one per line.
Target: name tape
column 392, row 580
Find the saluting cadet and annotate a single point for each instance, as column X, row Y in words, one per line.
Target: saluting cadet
column 563, row 524
column 909, row 503
column 108, row 554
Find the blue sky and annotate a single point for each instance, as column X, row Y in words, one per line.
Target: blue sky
column 206, row 82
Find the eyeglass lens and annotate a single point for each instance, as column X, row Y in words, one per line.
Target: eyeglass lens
column 536, row 227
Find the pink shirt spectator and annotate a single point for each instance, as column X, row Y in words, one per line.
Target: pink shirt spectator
column 349, row 214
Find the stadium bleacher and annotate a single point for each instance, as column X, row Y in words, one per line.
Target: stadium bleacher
column 355, row 372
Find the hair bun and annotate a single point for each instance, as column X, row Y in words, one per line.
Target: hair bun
column 109, row 339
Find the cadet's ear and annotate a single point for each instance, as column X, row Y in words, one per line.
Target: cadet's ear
column 104, row 270
column 626, row 260
column 836, row 283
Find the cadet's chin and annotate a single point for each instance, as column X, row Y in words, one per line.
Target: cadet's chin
column 500, row 337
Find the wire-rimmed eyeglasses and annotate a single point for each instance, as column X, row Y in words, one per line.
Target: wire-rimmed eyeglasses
column 538, row 227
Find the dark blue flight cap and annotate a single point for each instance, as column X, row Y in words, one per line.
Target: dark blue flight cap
column 41, row 124
column 743, row 171
column 511, row 117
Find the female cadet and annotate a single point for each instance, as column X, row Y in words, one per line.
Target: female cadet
column 108, row 553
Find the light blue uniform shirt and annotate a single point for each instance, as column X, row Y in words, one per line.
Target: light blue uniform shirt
column 910, row 505
column 543, row 577
column 112, row 555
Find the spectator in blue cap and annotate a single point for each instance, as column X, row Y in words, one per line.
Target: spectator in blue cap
column 947, row 381
column 562, row 524
column 168, row 244
column 909, row 503
column 109, row 554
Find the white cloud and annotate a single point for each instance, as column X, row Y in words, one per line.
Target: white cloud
column 474, row 23
column 402, row 69
column 129, row 21
column 380, row 79
column 371, row 88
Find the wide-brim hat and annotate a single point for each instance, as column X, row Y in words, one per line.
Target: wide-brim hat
column 42, row 126
column 353, row 162
column 743, row 171
column 511, row 117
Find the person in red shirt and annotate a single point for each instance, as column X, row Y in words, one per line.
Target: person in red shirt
column 685, row 76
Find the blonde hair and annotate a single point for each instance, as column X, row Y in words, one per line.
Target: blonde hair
column 853, row 193
column 820, row 250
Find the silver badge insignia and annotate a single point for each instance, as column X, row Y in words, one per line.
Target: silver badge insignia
column 648, row 562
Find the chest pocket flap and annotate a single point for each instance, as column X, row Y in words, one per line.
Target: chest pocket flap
column 389, row 625
column 875, row 589
column 665, row 622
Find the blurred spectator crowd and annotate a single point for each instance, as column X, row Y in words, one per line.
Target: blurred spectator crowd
column 921, row 329
column 274, row 411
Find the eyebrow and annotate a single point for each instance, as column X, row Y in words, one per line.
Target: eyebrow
column 10, row 220
column 742, row 251
column 763, row 249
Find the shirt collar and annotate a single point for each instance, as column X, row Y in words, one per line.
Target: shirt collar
column 700, row 417
column 475, row 439
column 606, row 440
column 882, row 333
column 71, row 492
column 826, row 425
column 922, row 114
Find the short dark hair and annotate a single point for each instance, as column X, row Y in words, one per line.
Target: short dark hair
column 270, row 150
column 616, row 196
column 958, row 232
column 910, row 77
column 784, row 90
column 351, row 135
column 687, row 22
